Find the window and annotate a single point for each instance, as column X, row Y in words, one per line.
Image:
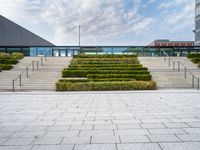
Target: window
column 198, row 10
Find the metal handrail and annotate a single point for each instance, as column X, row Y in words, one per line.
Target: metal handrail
column 185, row 70
column 20, row 76
column 27, row 70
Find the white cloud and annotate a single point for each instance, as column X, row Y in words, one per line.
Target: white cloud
column 99, row 19
column 172, row 3
column 152, row 1
column 180, row 18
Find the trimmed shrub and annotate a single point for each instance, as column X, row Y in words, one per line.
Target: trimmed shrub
column 105, row 65
column 105, row 72
column 139, row 77
column 6, row 66
column 133, row 60
column 5, row 56
column 199, row 65
column 194, row 55
column 84, row 73
column 106, row 86
column 17, row 55
column 104, row 56
column 195, row 60
column 8, row 61
column 107, row 68
column 96, row 80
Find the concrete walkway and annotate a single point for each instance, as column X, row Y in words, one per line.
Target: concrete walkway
column 151, row 120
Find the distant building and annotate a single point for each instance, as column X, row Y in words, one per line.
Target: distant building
column 168, row 43
column 197, row 23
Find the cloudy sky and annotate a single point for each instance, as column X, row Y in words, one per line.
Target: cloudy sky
column 104, row 22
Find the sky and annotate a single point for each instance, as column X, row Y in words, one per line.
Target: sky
column 104, row 22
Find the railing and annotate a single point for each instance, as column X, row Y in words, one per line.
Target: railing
column 32, row 64
column 186, row 70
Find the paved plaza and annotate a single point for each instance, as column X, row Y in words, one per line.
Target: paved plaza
column 151, row 120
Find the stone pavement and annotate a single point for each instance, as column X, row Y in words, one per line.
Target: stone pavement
column 158, row 120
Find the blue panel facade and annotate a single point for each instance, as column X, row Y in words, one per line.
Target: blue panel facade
column 197, row 23
column 35, row 51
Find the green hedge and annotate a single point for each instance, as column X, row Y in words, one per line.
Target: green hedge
column 84, row 73
column 194, row 55
column 5, row 56
column 105, row 65
column 8, row 61
column 104, row 56
column 139, row 77
column 195, row 60
column 106, row 86
column 96, row 80
column 105, row 61
column 11, row 56
column 6, row 66
column 107, row 68
column 17, row 55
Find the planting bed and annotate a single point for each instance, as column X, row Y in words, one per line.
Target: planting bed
column 195, row 58
column 105, row 72
column 8, row 60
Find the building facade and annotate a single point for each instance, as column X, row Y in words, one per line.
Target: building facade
column 165, row 42
column 15, row 38
column 197, row 23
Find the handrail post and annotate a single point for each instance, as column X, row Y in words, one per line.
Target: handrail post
column 164, row 58
column 37, row 65
column 185, row 75
column 179, row 66
column 20, row 80
column 193, row 81
column 169, row 62
column 198, row 84
column 27, row 72
column 45, row 57
column 42, row 61
column 33, row 65
column 13, row 85
column 173, row 65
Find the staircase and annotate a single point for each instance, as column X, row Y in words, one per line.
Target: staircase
column 46, row 76
column 164, row 74
column 6, row 77
column 39, row 80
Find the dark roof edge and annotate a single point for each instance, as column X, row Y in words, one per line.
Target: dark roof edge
column 51, row 44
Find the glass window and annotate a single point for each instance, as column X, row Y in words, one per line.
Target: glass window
column 197, row 10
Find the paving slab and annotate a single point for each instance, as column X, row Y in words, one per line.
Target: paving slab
column 95, row 147
column 52, row 147
column 142, row 120
column 180, row 146
column 144, row 146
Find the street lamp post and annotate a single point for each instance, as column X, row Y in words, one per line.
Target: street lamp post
column 79, row 29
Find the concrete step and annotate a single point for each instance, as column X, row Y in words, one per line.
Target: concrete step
column 166, row 76
column 42, row 79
